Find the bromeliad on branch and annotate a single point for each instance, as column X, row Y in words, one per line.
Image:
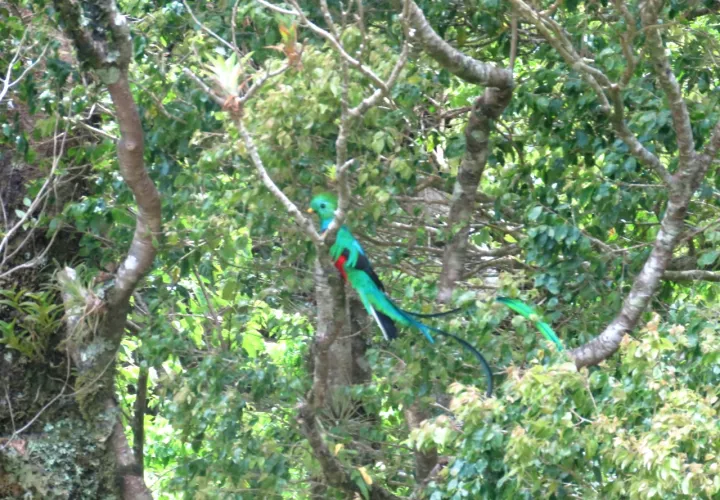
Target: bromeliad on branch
column 354, row 266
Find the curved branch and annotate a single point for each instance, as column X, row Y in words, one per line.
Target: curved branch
column 130, row 147
column 463, row 66
column 485, row 110
column 292, row 209
column 692, row 275
column 331, row 39
column 642, row 291
column 602, row 85
column 649, row 10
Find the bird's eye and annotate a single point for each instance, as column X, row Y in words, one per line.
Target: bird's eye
column 322, row 205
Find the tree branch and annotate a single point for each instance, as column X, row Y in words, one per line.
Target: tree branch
column 102, row 39
column 486, row 109
column 139, row 419
column 642, row 291
column 692, row 275
column 553, row 33
column 331, row 39
column 130, row 147
column 335, row 472
column 128, row 473
column 305, row 223
column 349, row 116
column 465, row 67
column 649, row 10
column 681, row 186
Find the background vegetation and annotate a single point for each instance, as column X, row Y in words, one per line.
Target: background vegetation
column 169, row 323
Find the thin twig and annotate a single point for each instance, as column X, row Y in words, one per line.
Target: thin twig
column 208, row 30
column 333, row 41
column 292, row 209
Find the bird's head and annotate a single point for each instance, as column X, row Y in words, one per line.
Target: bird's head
column 324, row 205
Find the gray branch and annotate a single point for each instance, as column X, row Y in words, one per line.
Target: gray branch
column 469, row 69
column 692, row 275
column 649, row 10
column 101, row 37
column 681, row 186
column 644, row 287
column 486, row 109
column 606, row 90
column 292, row 209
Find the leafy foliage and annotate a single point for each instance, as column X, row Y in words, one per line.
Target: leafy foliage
column 225, row 321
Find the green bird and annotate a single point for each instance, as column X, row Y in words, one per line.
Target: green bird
column 354, row 266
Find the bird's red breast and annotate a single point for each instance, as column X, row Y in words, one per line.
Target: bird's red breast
column 340, row 266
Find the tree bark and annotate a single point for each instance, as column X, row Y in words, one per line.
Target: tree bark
column 102, row 39
column 488, row 107
column 680, row 186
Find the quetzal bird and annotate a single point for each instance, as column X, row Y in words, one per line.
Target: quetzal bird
column 354, row 266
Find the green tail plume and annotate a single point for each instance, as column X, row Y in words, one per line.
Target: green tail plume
column 433, row 315
column 481, row 359
column 426, row 329
column 526, row 311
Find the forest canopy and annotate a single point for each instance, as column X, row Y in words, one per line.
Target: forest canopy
column 175, row 324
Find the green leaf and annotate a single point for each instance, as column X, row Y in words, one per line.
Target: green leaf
column 707, row 259
column 253, row 343
column 535, row 213
column 228, row 291
column 122, row 216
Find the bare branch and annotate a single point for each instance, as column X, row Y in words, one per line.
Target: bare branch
column 17, row 432
column 8, row 76
column 343, row 200
column 348, row 116
column 513, row 40
column 713, row 146
column 465, row 67
column 485, row 110
column 128, row 472
column 211, row 32
column 138, row 426
column 40, row 197
column 258, row 85
column 692, row 275
column 626, row 40
column 219, row 100
column 649, row 10
column 360, row 18
column 38, row 259
column 603, row 87
column 233, row 28
column 7, row 82
column 373, row 99
column 642, row 291
column 305, row 223
column 328, row 19
column 132, row 168
column 330, row 38
column 634, row 146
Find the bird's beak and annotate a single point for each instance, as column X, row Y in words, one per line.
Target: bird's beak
column 310, row 211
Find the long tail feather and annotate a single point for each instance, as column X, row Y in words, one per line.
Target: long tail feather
column 375, row 299
column 433, row 315
column 475, row 352
column 526, row 311
column 386, row 324
column 426, row 329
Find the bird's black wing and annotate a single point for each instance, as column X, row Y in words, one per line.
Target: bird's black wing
column 363, row 264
